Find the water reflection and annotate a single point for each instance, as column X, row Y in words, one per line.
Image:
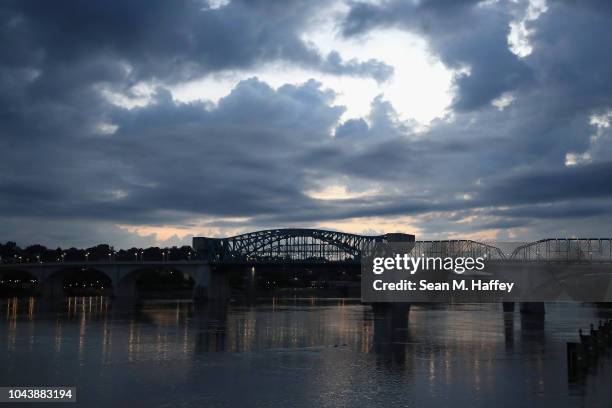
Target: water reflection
column 296, row 352
column 509, row 330
column 391, row 336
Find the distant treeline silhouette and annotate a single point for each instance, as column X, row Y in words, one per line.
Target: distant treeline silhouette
column 11, row 253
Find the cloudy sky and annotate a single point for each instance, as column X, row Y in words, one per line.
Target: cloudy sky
column 148, row 121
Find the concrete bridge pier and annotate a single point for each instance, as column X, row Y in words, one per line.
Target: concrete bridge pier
column 202, row 289
column 396, row 313
column 125, row 289
column 217, row 287
column 200, row 294
column 52, row 287
column 211, row 285
column 533, row 308
column 526, row 307
column 391, row 333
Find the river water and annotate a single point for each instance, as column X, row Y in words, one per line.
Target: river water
column 297, row 353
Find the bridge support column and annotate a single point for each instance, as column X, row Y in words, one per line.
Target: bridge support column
column 210, row 285
column 533, row 308
column 526, row 307
column 200, row 294
column 397, row 313
column 202, row 280
column 52, row 287
column 391, row 332
column 508, row 306
column 125, row 288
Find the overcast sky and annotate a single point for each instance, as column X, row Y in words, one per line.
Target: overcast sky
column 149, row 121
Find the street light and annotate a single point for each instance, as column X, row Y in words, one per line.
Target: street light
column 86, row 256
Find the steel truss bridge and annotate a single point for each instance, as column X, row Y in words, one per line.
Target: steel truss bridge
column 553, row 250
column 291, row 245
column 314, row 246
column 581, row 250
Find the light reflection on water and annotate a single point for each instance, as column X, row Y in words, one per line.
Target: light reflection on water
column 326, row 353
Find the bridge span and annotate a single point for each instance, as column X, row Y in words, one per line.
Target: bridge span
column 278, row 246
column 307, row 247
column 122, row 275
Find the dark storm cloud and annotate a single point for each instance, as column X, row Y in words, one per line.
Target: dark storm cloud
column 177, row 40
column 227, row 161
column 574, row 209
column 575, row 182
column 74, row 164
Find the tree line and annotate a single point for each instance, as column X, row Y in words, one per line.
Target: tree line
column 10, row 252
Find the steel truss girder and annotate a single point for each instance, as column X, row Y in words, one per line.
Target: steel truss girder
column 458, row 248
column 322, row 246
column 592, row 250
column 294, row 244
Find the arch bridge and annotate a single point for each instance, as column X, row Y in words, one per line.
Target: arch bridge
column 292, row 245
column 122, row 275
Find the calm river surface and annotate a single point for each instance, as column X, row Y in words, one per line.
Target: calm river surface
column 304, row 353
